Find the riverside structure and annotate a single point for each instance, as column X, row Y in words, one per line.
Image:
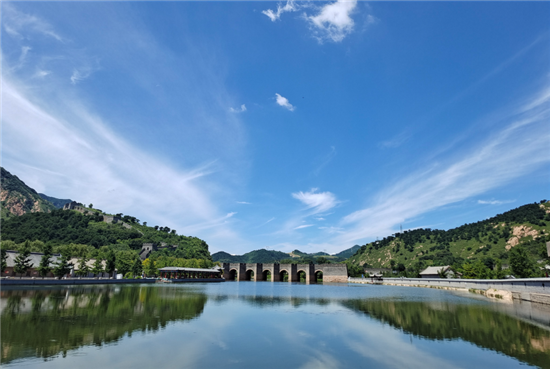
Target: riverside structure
column 328, row 273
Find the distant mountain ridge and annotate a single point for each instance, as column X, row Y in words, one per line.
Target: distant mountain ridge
column 17, row 198
column 272, row 256
column 58, row 203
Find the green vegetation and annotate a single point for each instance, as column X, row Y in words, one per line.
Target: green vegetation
column 476, row 249
column 64, row 229
column 22, row 260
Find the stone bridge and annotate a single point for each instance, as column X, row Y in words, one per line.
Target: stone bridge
column 330, row 273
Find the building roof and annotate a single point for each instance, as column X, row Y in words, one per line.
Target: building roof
column 35, row 258
column 179, row 269
column 434, row 269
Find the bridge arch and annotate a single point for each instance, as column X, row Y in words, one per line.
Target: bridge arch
column 250, row 276
column 284, row 275
column 267, row 275
column 301, row 276
column 318, row 276
column 233, row 275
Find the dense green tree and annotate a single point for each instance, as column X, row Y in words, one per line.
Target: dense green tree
column 98, row 266
column 4, row 259
column 124, row 261
column 498, row 273
column 110, row 262
column 137, row 268
column 63, row 266
column 22, row 260
column 520, row 263
column 83, row 268
column 44, row 267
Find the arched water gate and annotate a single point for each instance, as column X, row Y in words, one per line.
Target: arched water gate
column 329, row 273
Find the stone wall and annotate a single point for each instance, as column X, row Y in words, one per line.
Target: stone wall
column 527, row 289
column 332, row 273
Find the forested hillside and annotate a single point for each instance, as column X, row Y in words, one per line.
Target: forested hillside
column 488, row 241
column 18, row 198
column 63, row 227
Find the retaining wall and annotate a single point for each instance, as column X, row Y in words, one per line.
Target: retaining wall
column 528, row 289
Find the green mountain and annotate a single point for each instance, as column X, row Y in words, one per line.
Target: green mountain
column 489, row 240
column 256, row 256
column 63, row 227
column 271, row 256
column 17, row 198
column 346, row 254
column 58, row 203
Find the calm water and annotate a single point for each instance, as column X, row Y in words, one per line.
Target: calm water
column 267, row 325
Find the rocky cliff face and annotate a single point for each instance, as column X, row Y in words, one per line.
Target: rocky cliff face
column 17, row 198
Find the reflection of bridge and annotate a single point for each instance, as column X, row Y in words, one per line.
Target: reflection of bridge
column 332, row 273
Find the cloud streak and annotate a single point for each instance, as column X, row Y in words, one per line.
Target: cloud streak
column 102, row 167
column 317, row 201
column 514, row 151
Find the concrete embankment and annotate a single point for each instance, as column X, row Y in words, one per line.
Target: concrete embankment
column 78, row 281
column 526, row 289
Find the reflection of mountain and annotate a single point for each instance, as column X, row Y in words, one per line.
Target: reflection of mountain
column 477, row 324
column 44, row 323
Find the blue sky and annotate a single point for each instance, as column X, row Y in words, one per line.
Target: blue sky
column 293, row 125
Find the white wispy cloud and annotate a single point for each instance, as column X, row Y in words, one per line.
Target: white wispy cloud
column 80, row 75
column 303, row 226
column 242, row 109
column 519, row 148
column 325, row 161
column 283, row 101
column 317, row 201
column 290, row 6
column 494, row 202
column 92, row 163
column 395, row 141
column 19, row 24
column 334, row 21
column 243, row 202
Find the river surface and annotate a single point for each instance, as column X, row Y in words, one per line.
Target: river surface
column 267, row 325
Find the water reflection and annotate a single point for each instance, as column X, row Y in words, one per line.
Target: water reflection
column 474, row 323
column 253, row 324
column 43, row 323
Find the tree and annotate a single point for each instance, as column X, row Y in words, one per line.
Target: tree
column 498, row 272
column 124, row 261
column 91, row 206
column 137, row 268
column 149, row 267
column 4, row 258
column 22, row 260
column 83, row 268
column 44, row 266
column 110, row 264
column 98, row 266
column 520, row 264
column 63, row 266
